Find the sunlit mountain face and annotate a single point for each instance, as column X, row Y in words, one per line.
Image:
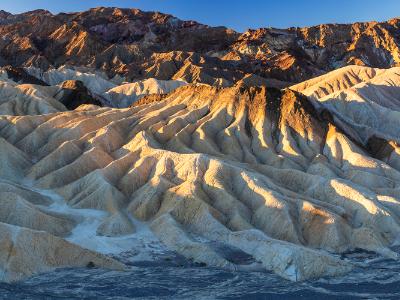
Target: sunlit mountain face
column 133, row 142
column 140, row 45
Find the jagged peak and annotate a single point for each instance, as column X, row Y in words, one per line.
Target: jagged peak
column 5, row 14
column 37, row 12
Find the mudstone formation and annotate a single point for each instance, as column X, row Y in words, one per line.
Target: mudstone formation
column 130, row 132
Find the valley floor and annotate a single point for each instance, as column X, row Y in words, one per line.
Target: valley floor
column 167, row 279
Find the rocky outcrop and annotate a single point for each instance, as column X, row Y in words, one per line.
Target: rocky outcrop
column 24, row 252
column 73, row 93
column 363, row 99
column 63, row 88
column 124, row 95
column 19, row 75
column 215, row 155
column 28, row 99
column 365, row 102
column 139, row 45
column 263, row 173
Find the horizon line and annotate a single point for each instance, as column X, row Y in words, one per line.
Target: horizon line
column 53, row 12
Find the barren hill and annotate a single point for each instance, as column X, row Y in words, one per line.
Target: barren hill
column 252, row 170
column 139, row 45
column 126, row 135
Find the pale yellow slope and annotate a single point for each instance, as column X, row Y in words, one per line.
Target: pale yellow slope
column 236, row 166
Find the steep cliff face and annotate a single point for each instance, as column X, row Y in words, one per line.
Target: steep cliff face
column 140, row 45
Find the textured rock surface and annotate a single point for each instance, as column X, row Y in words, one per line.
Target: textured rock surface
column 31, row 91
column 24, row 252
column 213, row 159
column 98, row 89
column 365, row 101
column 124, row 95
column 277, row 175
column 139, row 45
column 73, row 94
column 22, row 99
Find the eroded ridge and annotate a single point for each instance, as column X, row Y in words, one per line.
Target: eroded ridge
column 253, row 170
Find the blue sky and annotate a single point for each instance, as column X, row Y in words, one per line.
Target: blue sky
column 237, row 14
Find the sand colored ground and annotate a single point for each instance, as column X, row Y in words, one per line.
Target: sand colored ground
column 250, row 170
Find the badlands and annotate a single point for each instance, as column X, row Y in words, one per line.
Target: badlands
column 251, row 173
column 291, row 179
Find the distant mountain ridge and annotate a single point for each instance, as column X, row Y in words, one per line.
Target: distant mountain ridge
column 139, row 45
